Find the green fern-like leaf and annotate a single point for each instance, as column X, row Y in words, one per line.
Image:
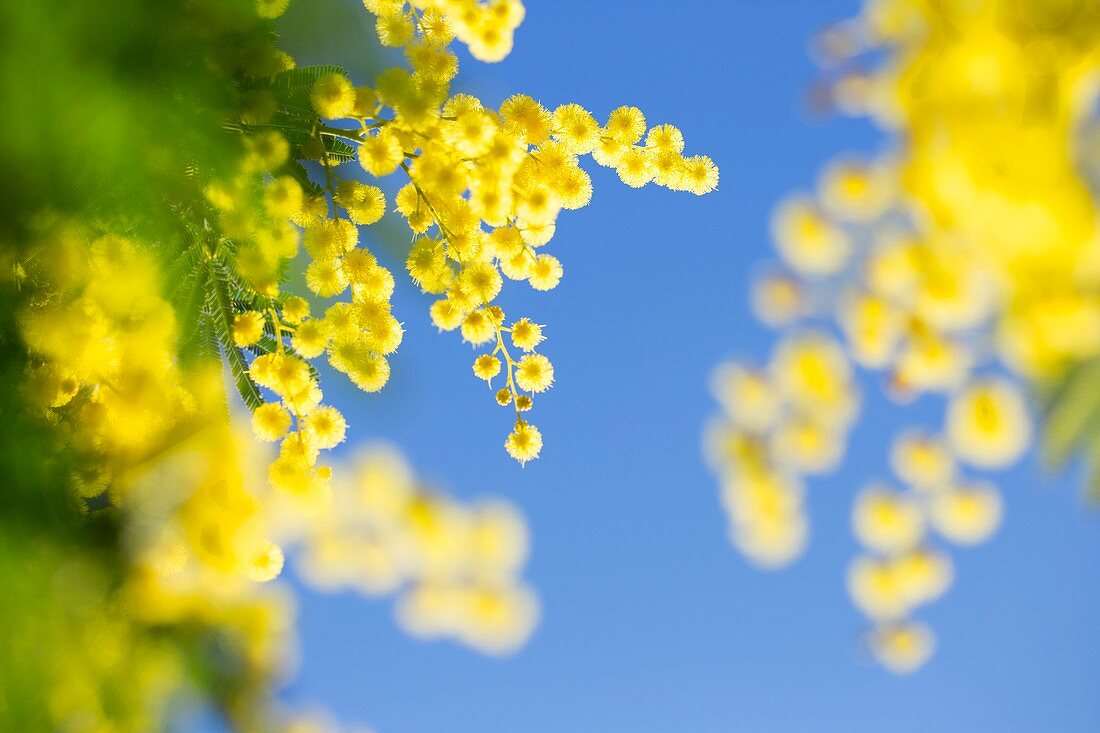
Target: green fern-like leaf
column 1071, row 421
column 189, row 300
column 220, row 310
column 301, row 130
column 303, row 77
column 1093, row 490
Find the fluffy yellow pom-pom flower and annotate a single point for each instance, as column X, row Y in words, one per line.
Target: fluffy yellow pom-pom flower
column 486, row 367
column 364, row 204
column 699, row 175
column 526, row 118
column 635, row 167
column 446, row 315
column 394, row 29
column 371, row 374
column 326, row 427
column 270, row 421
column 524, row 442
column 380, row 154
column 546, row 273
column 534, row 373
column 326, row 278
column 295, row 309
column 575, row 128
column 526, row 335
column 248, row 327
column 333, row 96
column 625, row 125
column 477, row 327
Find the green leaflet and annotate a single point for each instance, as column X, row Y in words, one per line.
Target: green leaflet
column 1071, row 421
column 219, row 309
column 303, row 77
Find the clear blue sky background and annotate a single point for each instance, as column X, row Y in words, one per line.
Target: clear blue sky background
column 651, row 622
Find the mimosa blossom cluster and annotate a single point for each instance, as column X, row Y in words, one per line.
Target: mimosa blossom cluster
column 483, row 190
column 963, row 263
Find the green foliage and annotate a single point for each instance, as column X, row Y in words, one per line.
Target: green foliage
column 295, row 117
column 219, row 312
column 112, row 115
column 296, row 84
column 1071, row 419
column 107, row 106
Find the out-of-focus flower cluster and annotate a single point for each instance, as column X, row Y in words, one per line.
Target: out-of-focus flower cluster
column 782, row 422
column 454, row 566
column 203, row 529
column 964, row 263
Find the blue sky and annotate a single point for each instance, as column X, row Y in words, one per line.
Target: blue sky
column 651, row 622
